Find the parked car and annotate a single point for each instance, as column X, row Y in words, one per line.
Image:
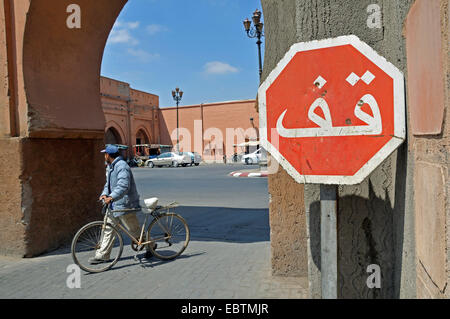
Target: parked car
column 252, row 158
column 196, row 159
column 169, row 159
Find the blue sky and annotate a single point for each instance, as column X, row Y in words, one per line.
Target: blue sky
column 200, row 46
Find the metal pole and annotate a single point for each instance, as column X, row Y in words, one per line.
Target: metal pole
column 259, row 42
column 178, row 137
column 328, row 240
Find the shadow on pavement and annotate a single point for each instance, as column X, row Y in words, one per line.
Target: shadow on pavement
column 145, row 263
column 236, row 225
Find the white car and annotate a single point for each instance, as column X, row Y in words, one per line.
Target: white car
column 196, row 159
column 169, row 159
column 252, row 158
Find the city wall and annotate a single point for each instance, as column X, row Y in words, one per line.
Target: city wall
column 211, row 129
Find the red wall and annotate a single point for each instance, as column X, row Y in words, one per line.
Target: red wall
column 207, row 134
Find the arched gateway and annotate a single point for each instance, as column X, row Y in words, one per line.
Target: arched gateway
column 52, row 126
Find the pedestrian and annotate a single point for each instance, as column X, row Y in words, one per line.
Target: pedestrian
column 119, row 191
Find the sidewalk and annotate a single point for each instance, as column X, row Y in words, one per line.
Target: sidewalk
column 206, row 270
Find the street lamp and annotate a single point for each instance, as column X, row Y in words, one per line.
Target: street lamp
column 256, row 32
column 177, row 96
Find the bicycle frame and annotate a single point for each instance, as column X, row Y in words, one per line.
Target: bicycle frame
column 110, row 212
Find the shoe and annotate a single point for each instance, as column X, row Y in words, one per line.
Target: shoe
column 95, row 261
column 149, row 254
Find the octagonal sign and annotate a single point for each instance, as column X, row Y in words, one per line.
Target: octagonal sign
column 332, row 111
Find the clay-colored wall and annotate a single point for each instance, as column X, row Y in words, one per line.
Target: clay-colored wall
column 186, row 117
column 129, row 110
column 232, row 116
column 14, row 117
column 114, row 88
column 144, row 98
column 426, row 31
column 167, row 121
column 60, row 192
column 119, row 122
column 49, row 190
column 5, row 112
column 288, row 229
column 114, row 97
column 73, row 68
column 12, row 221
column 217, row 117
column 288, row 237
column 5, row 122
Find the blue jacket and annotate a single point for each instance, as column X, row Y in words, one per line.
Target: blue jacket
column 120, row 186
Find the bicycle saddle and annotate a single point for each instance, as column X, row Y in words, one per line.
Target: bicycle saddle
column 151, row 203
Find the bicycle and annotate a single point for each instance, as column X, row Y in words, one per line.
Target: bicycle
column 168, row 230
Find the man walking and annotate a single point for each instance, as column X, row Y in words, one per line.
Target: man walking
column 119, row 191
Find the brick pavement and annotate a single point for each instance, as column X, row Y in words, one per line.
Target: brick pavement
column 206, row 270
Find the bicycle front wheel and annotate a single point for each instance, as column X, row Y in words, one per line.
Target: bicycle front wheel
column 170, row 233
column 89, row 239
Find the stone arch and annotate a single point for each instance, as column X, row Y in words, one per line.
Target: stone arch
column 61, row 67
column 145, row 135
column 50, row 85
column 117, row 131
column 142, row 136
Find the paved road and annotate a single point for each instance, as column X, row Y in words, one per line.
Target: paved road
column 206, row 185
column 228, row 256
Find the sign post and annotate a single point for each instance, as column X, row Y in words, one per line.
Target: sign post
column 328, row 240
column 330, row 113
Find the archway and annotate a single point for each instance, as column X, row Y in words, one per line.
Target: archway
column 50, row 73
column 112, row 136
column 142, row 136
column 50, row 88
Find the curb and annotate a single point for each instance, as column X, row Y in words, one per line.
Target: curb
column 248, row 174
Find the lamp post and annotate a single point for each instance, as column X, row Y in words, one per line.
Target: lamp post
column 254, row 127
column 177, row 96
column 256, row 32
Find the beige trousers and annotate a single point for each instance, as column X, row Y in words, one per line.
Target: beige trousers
column 130, row 222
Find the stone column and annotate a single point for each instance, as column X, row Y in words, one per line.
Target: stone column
column 288, row 229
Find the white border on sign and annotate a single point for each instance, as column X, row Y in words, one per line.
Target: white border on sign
column 399, row 110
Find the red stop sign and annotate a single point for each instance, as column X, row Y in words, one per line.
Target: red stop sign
column 332, row 111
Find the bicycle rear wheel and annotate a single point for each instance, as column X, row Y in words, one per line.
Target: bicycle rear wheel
column 171, row 234
column 88, row 240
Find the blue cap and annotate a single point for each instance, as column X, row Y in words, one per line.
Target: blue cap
column 111, row 149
